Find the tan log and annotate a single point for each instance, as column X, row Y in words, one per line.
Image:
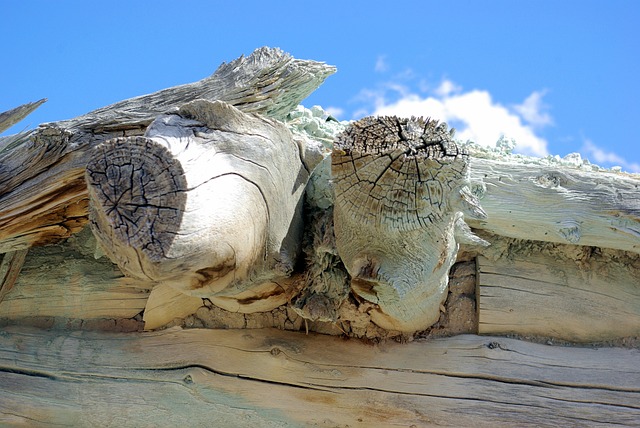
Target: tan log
column 276, row 378
column 580, row 296
column 61, row 282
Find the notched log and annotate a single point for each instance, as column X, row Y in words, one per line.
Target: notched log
column 400, row 193
column 208, row 201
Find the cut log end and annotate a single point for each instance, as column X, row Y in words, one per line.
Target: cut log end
column 400, row 191
column 137, row 189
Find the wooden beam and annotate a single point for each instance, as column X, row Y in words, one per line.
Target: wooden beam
column 400, row 193
column 563, row 205
column 587, row 298
column 276, row 378
column 58, row 281
column 209, row 201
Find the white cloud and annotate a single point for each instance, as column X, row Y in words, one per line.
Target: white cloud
column 381, row 64
column 476, row 116
column 336, row 112
column 446, row 88
column 600, row 156
column 533, row 110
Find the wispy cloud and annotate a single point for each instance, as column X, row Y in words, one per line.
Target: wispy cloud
column 605, row 158
column 381, row 64
column 475, row 114
column 533, row 109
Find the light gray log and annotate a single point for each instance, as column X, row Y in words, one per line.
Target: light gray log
column 562, row 205
column 400, row 191
column 571, row 293
column 209, row 201
column 42, row 177
column 275, row 378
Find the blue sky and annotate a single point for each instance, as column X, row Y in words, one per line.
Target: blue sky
column 559, row 76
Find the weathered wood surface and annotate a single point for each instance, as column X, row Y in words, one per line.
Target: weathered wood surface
column 42, row 179
column 209, row 201
column 400, row 194
column 275, row 378
column 578, row 300
column 61, row 281
column 15, row 115
column 165, row 304
column 10, row 266
column 562, row 205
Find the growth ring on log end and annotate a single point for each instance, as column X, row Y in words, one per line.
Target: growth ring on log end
column 400, row 191
column 139, row 190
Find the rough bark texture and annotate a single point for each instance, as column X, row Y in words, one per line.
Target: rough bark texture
column 401, row 188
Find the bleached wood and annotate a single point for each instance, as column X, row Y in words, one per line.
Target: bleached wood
column 165, row 304
column 276, row 378
column 58, row 281
column 400, row 194
column 546, row 296
column 43, row 176
column 11, row 117
column 209, row 201
column 563, row 205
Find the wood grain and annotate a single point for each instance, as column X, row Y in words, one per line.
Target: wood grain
column 58, row 281
column 276, row 378
column 562, row 205
column 546, row 296
column 400, row 193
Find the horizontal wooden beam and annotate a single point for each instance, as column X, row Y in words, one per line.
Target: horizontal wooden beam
column 60, row 281
column 589, row 298
column 277, row 378
column 563, row 205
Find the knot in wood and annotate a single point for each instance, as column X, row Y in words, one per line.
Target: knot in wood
column 397, row 172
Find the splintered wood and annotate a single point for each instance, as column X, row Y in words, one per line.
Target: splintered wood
column 584, row 298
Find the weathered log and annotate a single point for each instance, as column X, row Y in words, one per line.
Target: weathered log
column 209, row 202
column 400, row 191
column 276, row 378
column 577, row 294
column 60, row 282
column 42, row 178
column 563, row 205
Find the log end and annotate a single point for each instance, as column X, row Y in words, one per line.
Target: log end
column 400, row 194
